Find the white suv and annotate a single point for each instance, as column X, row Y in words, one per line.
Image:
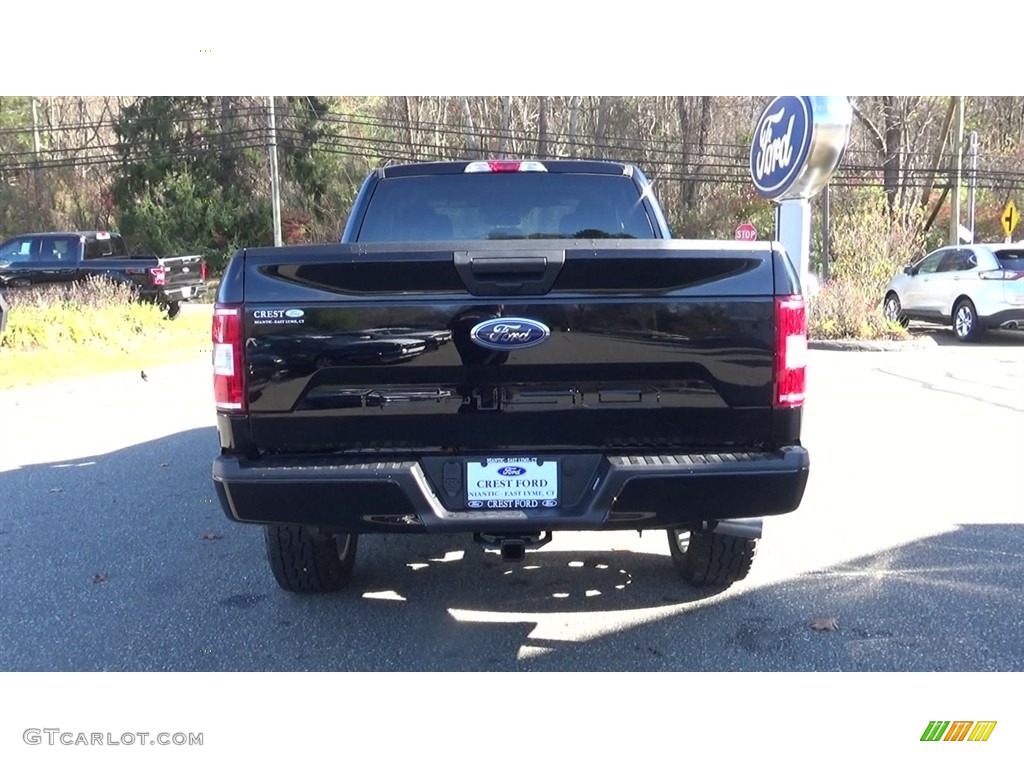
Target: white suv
column 969, row 287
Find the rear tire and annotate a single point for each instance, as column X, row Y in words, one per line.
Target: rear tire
column 965, row 321
column 705, row 559
column 303, row 560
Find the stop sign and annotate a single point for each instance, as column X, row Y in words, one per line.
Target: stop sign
column 746, row 231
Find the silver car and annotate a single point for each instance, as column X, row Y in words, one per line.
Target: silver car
column 969, row 287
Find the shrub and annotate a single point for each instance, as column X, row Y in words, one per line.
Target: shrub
column 842, row 309
column 868, row 248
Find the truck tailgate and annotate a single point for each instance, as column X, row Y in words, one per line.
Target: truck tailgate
column 182, row 271
column 653, row 343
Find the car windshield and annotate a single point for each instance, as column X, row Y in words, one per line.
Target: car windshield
column 501, row 206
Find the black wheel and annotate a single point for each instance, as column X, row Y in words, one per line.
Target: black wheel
column 894, row 310
column 173, row 309
column 965, row 321
column 711, row 559
column 303, row 560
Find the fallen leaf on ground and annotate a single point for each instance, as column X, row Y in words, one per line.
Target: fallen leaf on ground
column 211, row 536
column 825, row 624
column 99, row 578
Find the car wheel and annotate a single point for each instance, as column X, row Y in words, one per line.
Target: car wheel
column 705, row 558
column 304, row 560
column 893, row 310
column 965, row 321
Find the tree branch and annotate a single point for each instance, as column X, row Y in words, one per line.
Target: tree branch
column 876, row 135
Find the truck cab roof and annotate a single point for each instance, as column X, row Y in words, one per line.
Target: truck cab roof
column 88, row 234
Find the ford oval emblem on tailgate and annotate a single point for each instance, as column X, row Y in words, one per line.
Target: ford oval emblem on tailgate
column 505, row 333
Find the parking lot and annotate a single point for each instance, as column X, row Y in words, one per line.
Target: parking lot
column 114, row 554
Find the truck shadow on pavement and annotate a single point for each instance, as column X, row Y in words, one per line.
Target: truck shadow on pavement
column 947, row 602
column 124, row 561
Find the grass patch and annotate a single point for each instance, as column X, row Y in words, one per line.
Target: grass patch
column 60, row 332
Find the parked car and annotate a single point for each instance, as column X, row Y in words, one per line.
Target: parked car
column 971, row 288
column 47, row 258
column 509, row 349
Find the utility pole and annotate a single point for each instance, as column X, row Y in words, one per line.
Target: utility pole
column 958, row 151
column 275, row 182
column 826, row 204
column 972, row 179
column 35, row 156
column 35, row 129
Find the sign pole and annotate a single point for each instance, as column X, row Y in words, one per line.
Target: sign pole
column 793, row 230
column 275, row 181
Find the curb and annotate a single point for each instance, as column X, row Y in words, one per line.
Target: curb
column 855, row 345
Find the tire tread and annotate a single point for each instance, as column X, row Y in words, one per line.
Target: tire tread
column 307, row 562
column 713, row 559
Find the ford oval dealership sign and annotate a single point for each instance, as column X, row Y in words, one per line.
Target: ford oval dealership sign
column 782, row 141
column 798, row 144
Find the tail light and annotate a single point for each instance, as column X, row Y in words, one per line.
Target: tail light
column 790, row 351
column 159, row 275
column 504, row 166
column 202, row 270
column 228, row 374
column 1001, row 274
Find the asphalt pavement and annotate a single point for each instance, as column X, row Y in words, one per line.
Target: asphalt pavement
column 114, row 554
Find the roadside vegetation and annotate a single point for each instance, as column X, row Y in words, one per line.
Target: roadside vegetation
column 94, row 327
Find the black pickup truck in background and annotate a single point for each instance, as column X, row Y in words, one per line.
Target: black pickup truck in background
column 47, row 258
column 509, row 349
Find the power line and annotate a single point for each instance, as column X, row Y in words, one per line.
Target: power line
column 648, row 145
column 661, row 159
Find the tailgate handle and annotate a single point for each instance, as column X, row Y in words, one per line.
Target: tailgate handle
column 489, row 274
column 518, row 265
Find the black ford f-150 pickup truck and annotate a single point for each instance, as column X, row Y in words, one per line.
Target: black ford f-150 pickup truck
column 509, row 349
column 48, row 258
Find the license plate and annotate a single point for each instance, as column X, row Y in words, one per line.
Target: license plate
column 511, row 483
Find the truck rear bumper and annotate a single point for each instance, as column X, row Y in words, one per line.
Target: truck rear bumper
column 179, row 293
column 185, row 293
column 617, row 491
